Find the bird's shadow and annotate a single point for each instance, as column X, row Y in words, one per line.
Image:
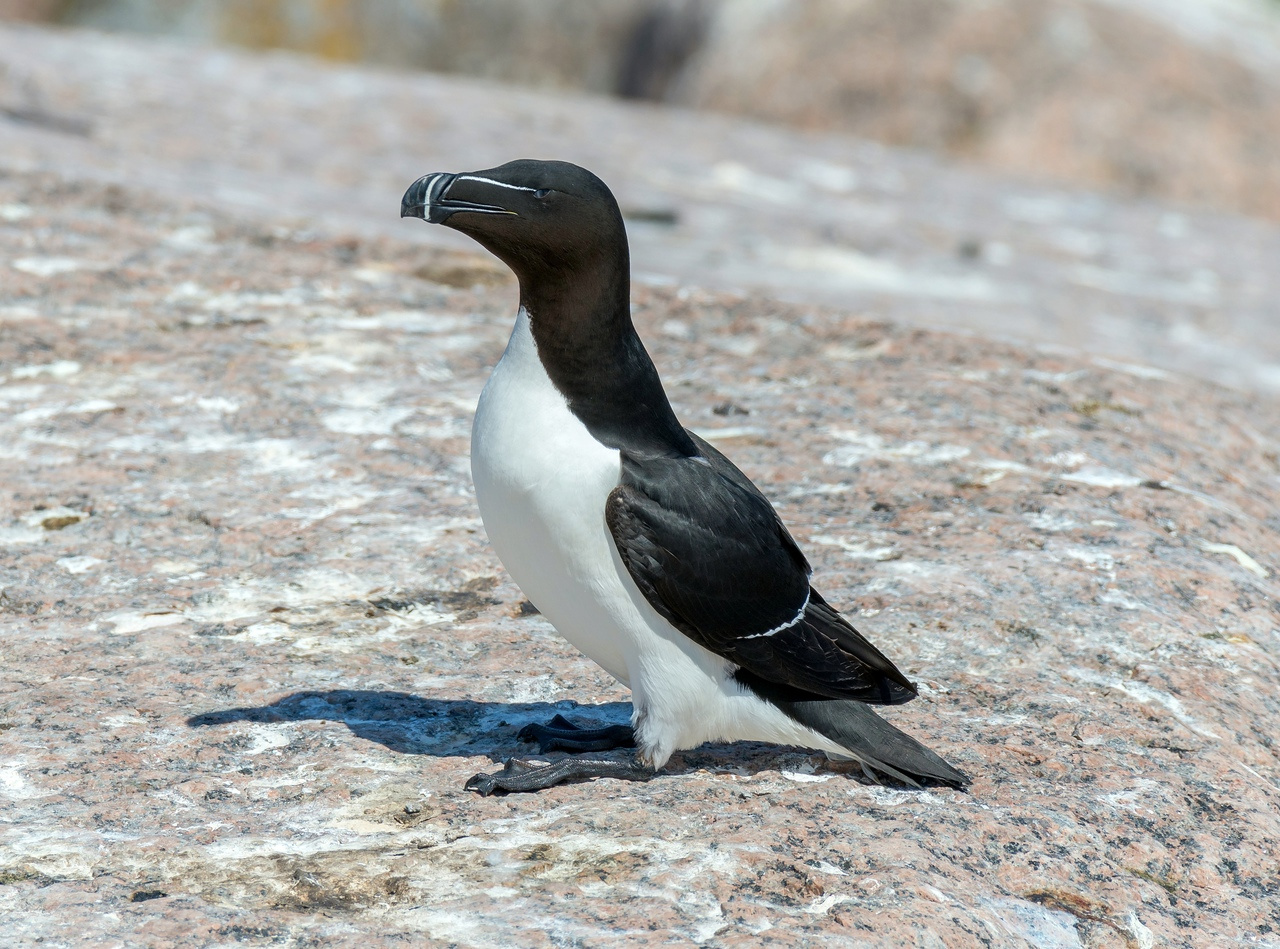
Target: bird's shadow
column 414, row 725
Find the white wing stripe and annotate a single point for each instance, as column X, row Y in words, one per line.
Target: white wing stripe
column 787, row 625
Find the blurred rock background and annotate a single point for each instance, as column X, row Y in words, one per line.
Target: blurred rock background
column 1171, row 100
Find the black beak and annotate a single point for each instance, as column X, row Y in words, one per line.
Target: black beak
column 428, row 198
column 418, row 200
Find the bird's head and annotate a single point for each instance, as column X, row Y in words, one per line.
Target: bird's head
column 541, row 218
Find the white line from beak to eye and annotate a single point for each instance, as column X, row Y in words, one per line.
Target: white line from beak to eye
column 440, row 182
column 500, row 184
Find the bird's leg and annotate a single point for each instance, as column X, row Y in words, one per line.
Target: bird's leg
column 521, row 775
column 560, row 734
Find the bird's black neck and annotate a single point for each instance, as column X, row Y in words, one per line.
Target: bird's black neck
column 581, row 324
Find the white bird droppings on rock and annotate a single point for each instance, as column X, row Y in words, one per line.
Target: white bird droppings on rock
column 136, row 622
column 78, row 565
column 58, row 369
column 1240, row 556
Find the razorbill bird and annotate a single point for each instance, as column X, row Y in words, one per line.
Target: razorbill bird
column 643, row 545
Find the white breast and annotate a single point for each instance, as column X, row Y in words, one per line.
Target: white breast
column 542, row 481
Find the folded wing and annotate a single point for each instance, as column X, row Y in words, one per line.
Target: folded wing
column 711, row 555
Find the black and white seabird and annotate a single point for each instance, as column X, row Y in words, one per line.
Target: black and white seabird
column 645, row 547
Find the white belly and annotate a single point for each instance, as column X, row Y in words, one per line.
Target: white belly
column 542, row 481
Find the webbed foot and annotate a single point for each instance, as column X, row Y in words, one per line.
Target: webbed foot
column 519, row 775
column 560, row 734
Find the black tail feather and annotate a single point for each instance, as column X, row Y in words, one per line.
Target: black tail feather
column 893, row 688
column 875, row 742
column 868, row 738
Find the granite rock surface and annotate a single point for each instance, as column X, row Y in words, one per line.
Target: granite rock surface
column 713, row 201
column 253, row 640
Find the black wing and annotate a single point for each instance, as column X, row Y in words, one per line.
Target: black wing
column 711, row 555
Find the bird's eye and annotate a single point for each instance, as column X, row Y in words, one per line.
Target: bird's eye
column 542, row 192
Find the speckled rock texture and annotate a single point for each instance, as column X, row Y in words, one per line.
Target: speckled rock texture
column 253, row 641
column 713, row 201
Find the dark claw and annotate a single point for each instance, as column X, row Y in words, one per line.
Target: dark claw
column 512, row 771
column 483, row 784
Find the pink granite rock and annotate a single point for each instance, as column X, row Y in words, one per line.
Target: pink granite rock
column 713, row 201
column 254, row 640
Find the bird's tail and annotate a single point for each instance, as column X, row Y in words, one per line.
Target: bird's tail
column 874, row 742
